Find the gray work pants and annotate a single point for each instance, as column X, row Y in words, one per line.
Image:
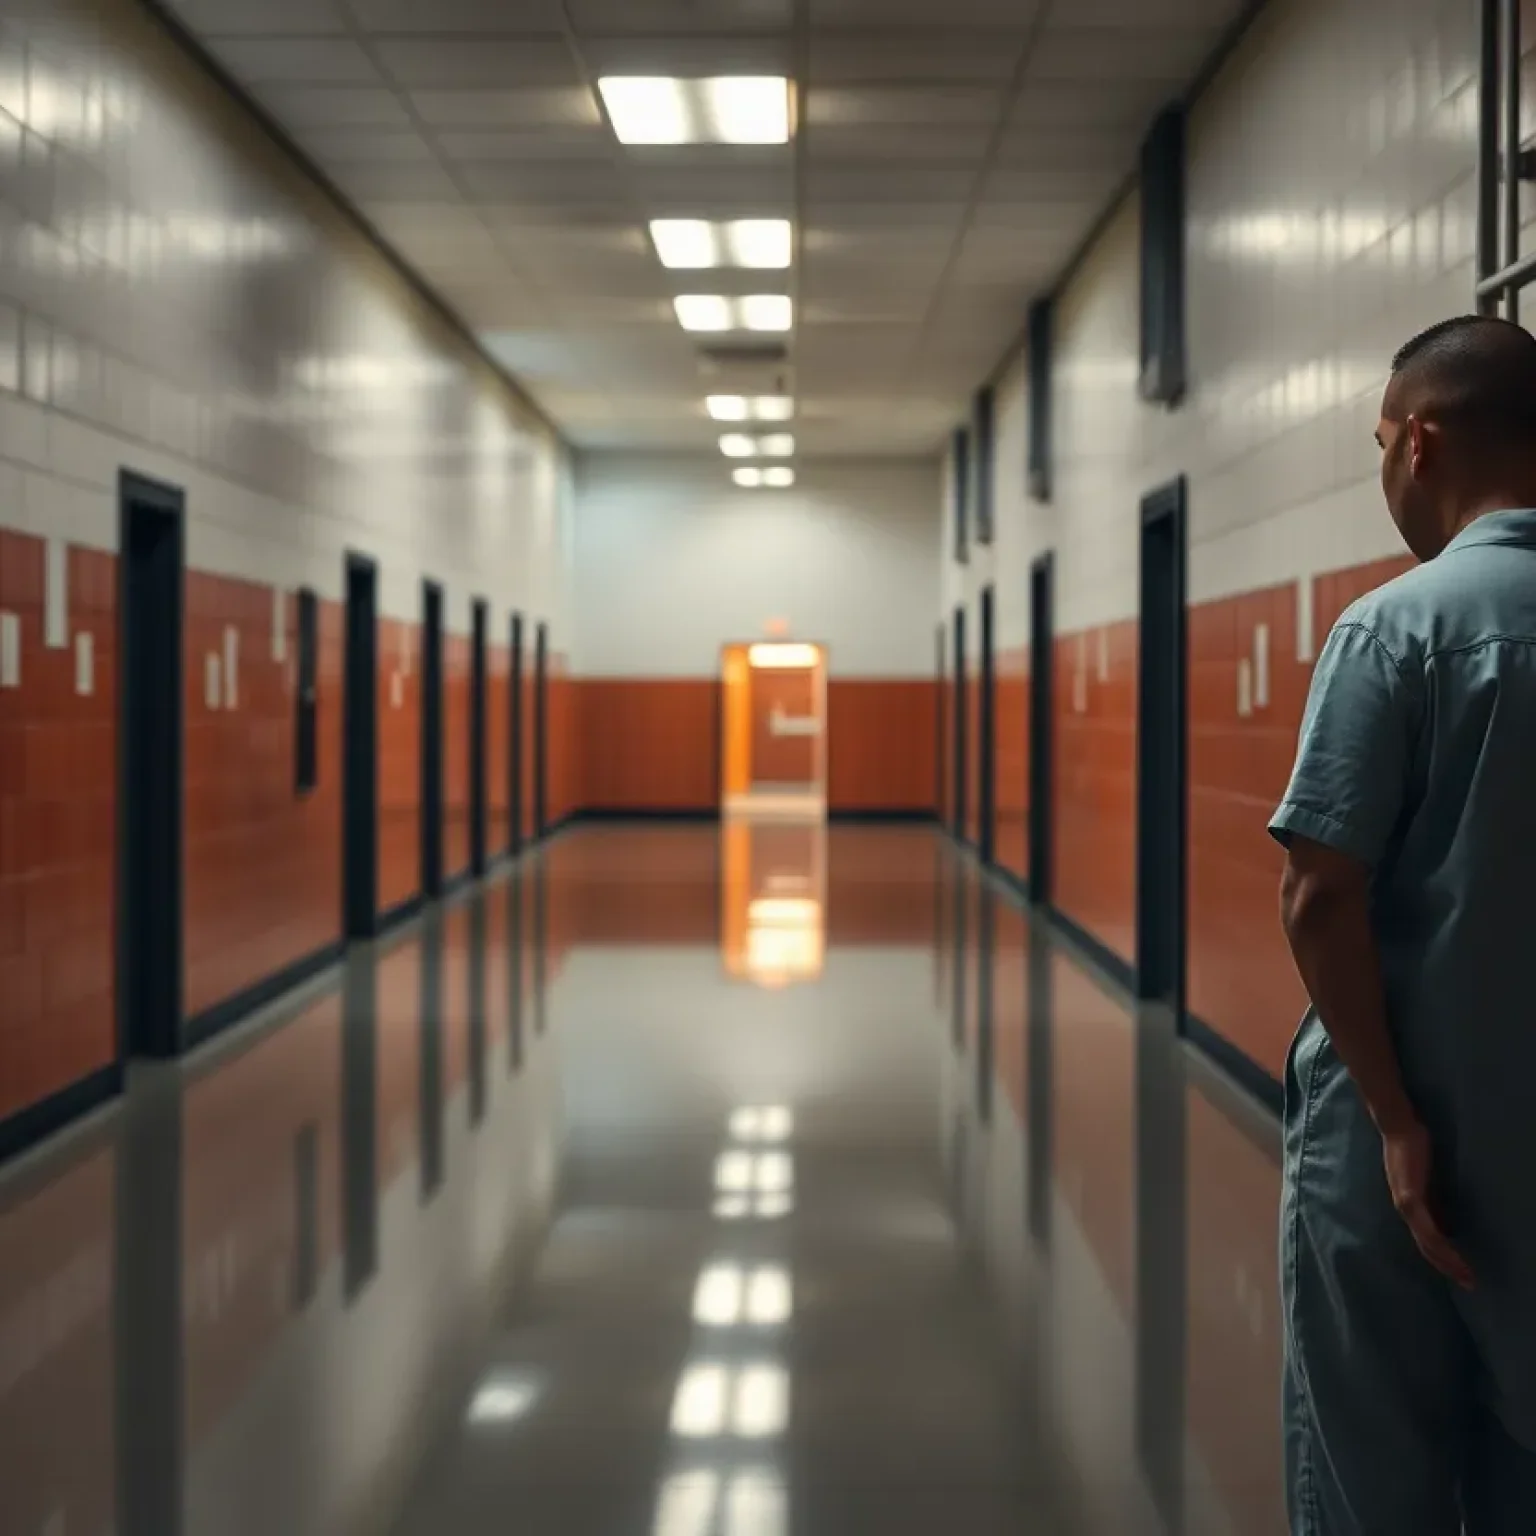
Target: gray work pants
column 1385, row 1431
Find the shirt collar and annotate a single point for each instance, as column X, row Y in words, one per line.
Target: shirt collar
column 1517, row 526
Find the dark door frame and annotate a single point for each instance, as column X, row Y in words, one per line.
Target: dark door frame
column 959, row 764
column 432, row 760
column 1041, row 765
column 479, row 637
column 515, row 747
column 360, row 749
column 1162, row 786
column 986, row 730
column 541, row 729
column 151, row 766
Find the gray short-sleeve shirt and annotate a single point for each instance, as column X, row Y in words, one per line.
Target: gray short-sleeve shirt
column 1418, row 758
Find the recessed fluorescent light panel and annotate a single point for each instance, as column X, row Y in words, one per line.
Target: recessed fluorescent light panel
column 705, row 312
column 691, row 244
column 750, row 407
column 766, row 312
column 733, row 109
column 741, row 445
column 778, row 478
column 716, row 312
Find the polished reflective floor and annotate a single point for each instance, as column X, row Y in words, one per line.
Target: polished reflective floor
column 688, row 1182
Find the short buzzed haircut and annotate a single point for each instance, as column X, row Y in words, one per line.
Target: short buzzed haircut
column 1476, row 372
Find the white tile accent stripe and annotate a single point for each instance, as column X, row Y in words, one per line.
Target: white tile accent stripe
column 1306, row 622
column 56, row 594
column 10, row 650
column 1261, row 666
column 231, row 666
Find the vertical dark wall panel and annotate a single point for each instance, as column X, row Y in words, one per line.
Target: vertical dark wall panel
column 1162, row 260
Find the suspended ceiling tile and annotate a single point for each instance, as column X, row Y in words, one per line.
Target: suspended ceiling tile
column 478, row 63
column 334, row 106
column 894, row 185
column 524, row 145
column 678, row 16
column 939, row 56
column 563, row 107
column 550, row 183
column 1054, row 106
column 923, row 13
column 894, row 106
column 742, row 53
column 490, row 17
column 273, row 18
column 961, row 147
column 1122, row 53
column 353, row 145
column 294, row 60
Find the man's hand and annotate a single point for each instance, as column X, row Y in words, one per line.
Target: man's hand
column 1409, row 1158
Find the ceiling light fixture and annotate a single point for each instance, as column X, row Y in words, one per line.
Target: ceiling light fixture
column 736, row 445
column 684, row 244
column 740, row 445
column 748, row 109
column 755, row 408
column 748, row 478
column 717, row 312
column 693, row 244
column 704, row 312
column 647, row 109
column 764, row 243
column 766, row 311
column 777, row 445
column 779, row 478
column 731, row 109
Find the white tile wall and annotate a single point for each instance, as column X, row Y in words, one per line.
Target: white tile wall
column 673, row 562
column 176, row 298
column 1331, row 217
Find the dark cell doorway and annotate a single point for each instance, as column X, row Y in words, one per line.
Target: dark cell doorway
column 515, row 749
column 431, row 740
column 360, row 752
column 149, row 906
column 478, row 640
column 959, row 713
column 541, row 730
column 1042, row 661
column 986, row 780
column 1161, row 791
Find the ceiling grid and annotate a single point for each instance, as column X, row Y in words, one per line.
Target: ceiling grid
column 939, row 177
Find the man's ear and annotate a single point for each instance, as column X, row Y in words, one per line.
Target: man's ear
column 1423, row 446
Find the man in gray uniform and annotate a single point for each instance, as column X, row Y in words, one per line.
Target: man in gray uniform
column 1408, row 1233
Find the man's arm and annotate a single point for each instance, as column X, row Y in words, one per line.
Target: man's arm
column 1348, row 793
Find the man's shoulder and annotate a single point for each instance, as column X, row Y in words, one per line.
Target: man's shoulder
column 1400, row 615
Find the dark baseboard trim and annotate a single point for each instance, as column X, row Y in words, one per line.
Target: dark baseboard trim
column 1116, row 967
column 453, row 884
column 611, row 813
column 23, row 1130
column 1239, row 1066
column 213, row 1021
column 401, row 912
column 912, row 815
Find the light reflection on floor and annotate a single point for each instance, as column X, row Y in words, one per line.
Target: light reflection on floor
column 734, row 1181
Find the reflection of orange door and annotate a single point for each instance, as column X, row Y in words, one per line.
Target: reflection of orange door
column 784, row 709
column 736, row 728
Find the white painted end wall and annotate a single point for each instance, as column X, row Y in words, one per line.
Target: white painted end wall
column 672, row 562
